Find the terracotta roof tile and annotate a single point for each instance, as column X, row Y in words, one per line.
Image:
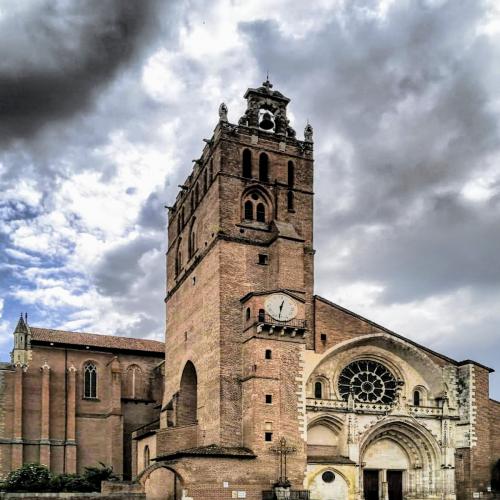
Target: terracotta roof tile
column 95, row 340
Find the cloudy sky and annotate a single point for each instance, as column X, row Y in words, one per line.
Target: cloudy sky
column 104, row 103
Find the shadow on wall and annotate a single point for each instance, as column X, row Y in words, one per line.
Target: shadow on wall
column 162, row 485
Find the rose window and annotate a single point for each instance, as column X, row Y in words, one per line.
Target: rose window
column 370, row 382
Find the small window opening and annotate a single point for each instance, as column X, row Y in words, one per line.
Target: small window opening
column 262, row 315
column 146, row 457
column 247, row 314
column 205, row 181
column 211, row 170
column 264, row 167
column 290, row 201
column 268, row 354
column 318, row 390
column 416, row 398
column 263, row 259
column 323, row 337
column 268, row 436
column 291, row 174
column 248, row 210
column 247, row 164
column 269, row 399
column 261, row 212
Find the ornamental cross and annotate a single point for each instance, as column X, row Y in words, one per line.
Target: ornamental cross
column 283, row 450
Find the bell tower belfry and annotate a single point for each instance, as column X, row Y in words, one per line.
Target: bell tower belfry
column 239, row 299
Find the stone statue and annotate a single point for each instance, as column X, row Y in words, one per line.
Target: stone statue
column 308, row 133
column 223, row 112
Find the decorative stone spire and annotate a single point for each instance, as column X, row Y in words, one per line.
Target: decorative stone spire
column 21, row 354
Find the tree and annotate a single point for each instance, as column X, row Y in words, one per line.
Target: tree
column 29, row 478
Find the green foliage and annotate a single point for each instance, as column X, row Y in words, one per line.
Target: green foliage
column 70, row 482
column 32, row 478
column 94, row 475
column 28, row 478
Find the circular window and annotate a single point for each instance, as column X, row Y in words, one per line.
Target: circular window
column 328, row 476
column 370, row 382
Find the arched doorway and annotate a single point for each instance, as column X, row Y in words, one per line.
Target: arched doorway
column 161, row 483
column 400, row 458
column 187, row 402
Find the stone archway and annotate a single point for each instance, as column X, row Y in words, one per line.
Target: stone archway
column 161, row 482
column 403, row 455
column 187, row 403
column 328, row 483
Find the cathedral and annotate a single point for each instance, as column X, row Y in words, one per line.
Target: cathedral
column 262, row 389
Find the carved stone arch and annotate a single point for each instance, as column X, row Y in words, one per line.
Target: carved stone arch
column 341, row 487
column 415, row 357
column 405, row 430
column 256, row 195
column 333, row 422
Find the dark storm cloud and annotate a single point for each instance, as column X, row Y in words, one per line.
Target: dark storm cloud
column 119, row 268
column 54, row 56
column 407, row 103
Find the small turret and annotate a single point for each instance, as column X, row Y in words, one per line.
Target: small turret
column 21, row 354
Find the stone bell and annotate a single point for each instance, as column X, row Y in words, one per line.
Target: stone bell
column 266, row 122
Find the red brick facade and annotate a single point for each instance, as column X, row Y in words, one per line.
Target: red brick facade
column 45, row 417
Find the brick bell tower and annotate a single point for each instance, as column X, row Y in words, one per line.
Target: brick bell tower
column 239, row 305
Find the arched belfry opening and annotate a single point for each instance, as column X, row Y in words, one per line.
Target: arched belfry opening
column 187, row 402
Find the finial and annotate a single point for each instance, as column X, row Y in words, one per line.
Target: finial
column 267, row 84
column 223, row 112
column 308, row 133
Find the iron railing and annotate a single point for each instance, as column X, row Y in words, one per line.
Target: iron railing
column 294, row 495
column 266, row 319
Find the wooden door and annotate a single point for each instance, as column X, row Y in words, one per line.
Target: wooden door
column 371, row 484
column 395, row 484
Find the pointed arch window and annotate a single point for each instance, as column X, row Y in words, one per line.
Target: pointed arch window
column 255, row 206
column 211, row 170
column 178, row 258
column 134, row 380
column 264, row 167
column 147, row 459
column 90, row 381
column 205, row 181
column 291, row 174
column 247, row 164
column 261, row 212
column 192, row 240
column 248, row 210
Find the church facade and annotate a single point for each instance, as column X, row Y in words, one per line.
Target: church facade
column 70, row 400
column 262, row 389
column 269, row 387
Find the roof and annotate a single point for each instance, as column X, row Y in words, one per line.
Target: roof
column 211, row 450
column 401, row 337
column 47, row 335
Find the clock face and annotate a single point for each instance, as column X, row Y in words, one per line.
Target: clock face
column 281, row 307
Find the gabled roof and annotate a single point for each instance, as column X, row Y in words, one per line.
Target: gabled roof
column 82, row 340
column 401, row 337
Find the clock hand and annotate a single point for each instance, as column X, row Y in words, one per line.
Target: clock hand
column 281, row 307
